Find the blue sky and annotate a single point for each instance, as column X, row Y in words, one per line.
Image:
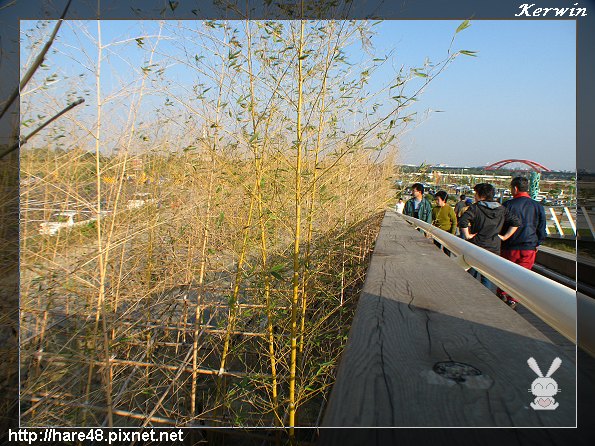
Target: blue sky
column 516, row 99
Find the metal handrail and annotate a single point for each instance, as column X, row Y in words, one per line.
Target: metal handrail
column 552, row 302
column 586, row 309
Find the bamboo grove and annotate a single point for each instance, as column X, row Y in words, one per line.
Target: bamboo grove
column 223, row 296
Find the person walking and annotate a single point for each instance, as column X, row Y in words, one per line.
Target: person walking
column 522, row 246
column 464, row 205
column 482, row 223
column 418, row 206
column 400, row 206
column 443, row 217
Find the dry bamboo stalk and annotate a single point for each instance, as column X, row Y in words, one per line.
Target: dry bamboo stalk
column 162, row 420
column 183, row 321
column 234, row 297
column 167, row 344
column 296, row 245
column 105, row 255
column 205, row 328
column 123, row 413
column 258, row 164
column 123, row 362
column 205, row 242
column 34, row 66
column 125, row 385
column 102, row 270
column 345, row 209
column 313, row 197
column 48, row 395
column 180, row 370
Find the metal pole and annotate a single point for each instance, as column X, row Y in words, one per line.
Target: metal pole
column 570, row 219
column 589, row 222
column 586, row 307
column 556, row 222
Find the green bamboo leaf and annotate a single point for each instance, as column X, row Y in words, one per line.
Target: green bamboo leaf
column 276, row 275
column 462, row 26
column 469, row 53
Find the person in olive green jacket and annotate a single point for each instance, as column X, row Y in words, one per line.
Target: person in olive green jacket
column 443, row 217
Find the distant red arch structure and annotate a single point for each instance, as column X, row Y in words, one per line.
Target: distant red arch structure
column 532, row 164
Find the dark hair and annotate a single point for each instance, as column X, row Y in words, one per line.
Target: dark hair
column 463, row 197
column 443, row 195
column 485, row 191
column 521, row 183
column 418, row 186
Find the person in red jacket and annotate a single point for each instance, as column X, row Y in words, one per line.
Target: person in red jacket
column 522, row 246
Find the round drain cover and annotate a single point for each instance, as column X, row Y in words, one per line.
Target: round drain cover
column 457, row 371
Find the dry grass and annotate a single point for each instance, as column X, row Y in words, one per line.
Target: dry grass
column 151, row 303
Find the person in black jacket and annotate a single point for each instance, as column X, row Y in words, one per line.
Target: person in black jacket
column 521, row 247
column 483, row 221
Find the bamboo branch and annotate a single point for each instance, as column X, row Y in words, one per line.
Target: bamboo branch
column 36, row 63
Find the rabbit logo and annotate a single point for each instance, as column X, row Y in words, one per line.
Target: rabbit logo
column 544, row 388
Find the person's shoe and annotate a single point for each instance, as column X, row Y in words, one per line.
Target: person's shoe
column 512, row 304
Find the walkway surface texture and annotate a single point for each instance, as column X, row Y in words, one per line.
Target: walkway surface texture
column 430, row 346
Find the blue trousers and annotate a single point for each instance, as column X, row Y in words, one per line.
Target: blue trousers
column 483, row 280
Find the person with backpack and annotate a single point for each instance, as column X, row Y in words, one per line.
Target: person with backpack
column 482, row 224
column 522, row 246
